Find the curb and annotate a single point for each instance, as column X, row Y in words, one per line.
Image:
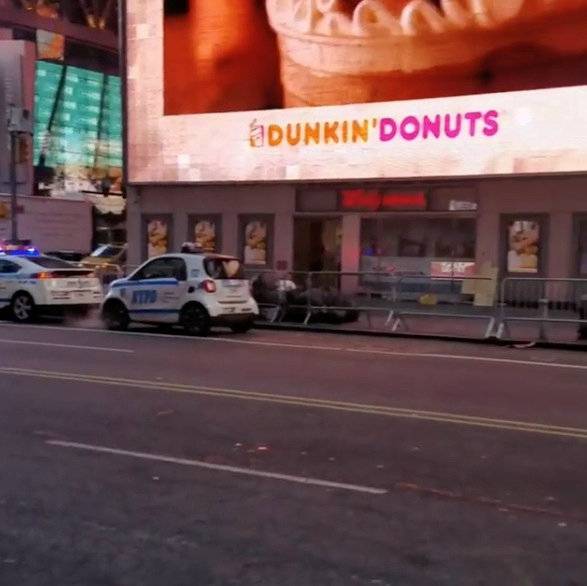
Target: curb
column 492, row 341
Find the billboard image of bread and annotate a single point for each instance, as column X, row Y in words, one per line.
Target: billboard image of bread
column 222, row 55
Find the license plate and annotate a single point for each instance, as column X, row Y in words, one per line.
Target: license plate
column 85, row 284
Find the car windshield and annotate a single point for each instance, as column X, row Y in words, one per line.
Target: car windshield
column 224, row 268
column 106, row 251
column 48, row 262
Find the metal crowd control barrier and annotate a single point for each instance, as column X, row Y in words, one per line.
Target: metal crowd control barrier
column 456, row 294
column 395, row 299
column 540, row 301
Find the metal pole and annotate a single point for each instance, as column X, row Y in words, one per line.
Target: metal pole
column 13, row 197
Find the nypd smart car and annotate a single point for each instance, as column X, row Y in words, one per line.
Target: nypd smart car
column 192, row 290
column 32, row 284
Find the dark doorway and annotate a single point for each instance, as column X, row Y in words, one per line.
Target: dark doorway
column 317, row 244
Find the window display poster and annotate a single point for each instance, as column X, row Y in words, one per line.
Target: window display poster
column 157, row 237
column 255, row 242
column 523, row 246
column 205, row 234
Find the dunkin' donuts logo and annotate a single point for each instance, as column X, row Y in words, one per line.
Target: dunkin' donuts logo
column 410, row 128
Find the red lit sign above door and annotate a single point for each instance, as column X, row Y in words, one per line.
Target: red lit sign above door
column 373, row 200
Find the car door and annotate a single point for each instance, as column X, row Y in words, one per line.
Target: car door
column 155, row 291
column 8, row 280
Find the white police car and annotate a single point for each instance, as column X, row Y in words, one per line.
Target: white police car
column 195, row 290
column 32, row 284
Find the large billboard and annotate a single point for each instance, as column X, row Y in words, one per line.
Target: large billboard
column 249, row 90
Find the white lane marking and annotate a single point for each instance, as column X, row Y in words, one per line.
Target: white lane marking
column 218, row 467
column 71, row 346
column 475, row 358
column 371, row 352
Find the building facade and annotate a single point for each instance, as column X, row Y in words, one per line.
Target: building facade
column 366, row 150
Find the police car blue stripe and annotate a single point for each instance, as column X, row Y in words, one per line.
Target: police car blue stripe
column 145, row 283
column 159, row 311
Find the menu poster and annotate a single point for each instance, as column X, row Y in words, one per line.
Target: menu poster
column 256, row 234
column 523, row 246
column 206, row 233
column 157, row 237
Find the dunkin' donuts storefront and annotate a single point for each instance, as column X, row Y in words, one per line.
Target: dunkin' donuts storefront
column 406, row 137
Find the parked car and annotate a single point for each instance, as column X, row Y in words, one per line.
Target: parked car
column 32, row 284
column 68, row 255
column 108, row 262
column 192, row 290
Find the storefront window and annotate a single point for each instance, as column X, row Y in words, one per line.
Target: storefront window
column 418, row 246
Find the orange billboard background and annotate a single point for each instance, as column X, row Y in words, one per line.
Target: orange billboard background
column 240, row 55
column 220, row 56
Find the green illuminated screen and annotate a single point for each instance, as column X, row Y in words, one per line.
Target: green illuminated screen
column 78, row 125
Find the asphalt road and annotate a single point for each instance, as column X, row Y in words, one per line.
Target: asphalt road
column 288, row 459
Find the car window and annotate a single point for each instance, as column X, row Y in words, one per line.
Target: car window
column 106, row 251
column 224, row 268
column 162, row 268
column 7, row 267
column 48, row 262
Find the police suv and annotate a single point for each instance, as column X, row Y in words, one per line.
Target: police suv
column 33, row 284
column 192, row 290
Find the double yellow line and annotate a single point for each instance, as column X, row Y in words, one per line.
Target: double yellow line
column 308, row 402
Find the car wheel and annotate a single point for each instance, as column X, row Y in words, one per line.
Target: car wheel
column 195, row 320
column 115, row 316
column 22, row 307
column 242, row 328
